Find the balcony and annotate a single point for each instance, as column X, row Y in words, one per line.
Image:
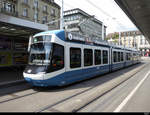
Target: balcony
column 53, row 15
column 14, row 1
column 36, row 8
column 7, row 12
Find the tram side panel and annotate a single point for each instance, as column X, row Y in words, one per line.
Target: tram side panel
column 101, row 60
column 128, row 61
column 73, row 59
column 88, row 66
column 117, row 59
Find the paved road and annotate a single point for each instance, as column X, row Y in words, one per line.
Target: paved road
column 33, row 100
column 131, row 96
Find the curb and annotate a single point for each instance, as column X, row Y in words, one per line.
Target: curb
column 11, row 83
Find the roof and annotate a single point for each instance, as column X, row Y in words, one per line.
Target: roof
column 59, row 33
column 83, row 13
column 138, row 12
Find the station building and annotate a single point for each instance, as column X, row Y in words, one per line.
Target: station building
column 18, row 20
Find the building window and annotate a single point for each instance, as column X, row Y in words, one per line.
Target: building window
column 97, row 57
column 36, row 3
column 75, row 57
column 52, row 22
column 9, row 7
column 26, row 1
column 36, row 16
column 141, row 40
column 105, row 57
column 45, row 8
column 53, row 12
column 44, row 20
column 88, row 57
column 25, row 12
column 146, row 42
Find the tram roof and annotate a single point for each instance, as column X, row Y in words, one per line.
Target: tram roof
column 61, row 34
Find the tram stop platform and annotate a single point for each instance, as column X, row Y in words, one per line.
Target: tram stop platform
column 11, row 74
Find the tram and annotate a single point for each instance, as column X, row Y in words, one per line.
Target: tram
column 58, row 58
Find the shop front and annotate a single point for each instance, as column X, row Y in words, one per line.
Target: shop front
column 14, row 38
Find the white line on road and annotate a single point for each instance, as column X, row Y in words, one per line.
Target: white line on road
column 118, row 109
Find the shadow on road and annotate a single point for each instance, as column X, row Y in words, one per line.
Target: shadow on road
column 91, row 82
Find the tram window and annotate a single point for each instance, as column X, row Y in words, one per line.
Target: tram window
column 88, row 57
column 122, row 56
column 115, row 56
column 126, row 56
column 57, row 61
column 130, row 56
column 105, row 57
column 119, row 57
column 75, row 57
column 97, row 57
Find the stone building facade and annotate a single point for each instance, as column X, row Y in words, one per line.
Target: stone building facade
column 132, row 39
column 39, row 11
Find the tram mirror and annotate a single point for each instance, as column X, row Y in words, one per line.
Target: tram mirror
column 30, row 42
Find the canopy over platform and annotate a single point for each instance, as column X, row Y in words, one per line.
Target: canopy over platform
column 139, row 13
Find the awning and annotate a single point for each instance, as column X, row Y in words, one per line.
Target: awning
column 139, row 12
column 12, row 26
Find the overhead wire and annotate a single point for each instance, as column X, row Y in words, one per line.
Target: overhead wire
column 105, row 13
column 67, row 4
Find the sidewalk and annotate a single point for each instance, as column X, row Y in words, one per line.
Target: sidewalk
column 145, row 58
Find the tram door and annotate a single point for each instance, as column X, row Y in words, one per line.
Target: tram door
column 74, row 63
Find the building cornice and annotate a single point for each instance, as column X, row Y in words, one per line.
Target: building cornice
column 52, row 2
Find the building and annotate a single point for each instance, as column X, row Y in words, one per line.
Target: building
column 18, row 20
column 81, row 22
column 39, row 11
column 132, row 39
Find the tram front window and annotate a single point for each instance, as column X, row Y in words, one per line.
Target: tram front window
column 40, row 54
column 47, row 55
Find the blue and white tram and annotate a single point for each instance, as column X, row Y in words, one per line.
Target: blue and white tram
column 59, row 58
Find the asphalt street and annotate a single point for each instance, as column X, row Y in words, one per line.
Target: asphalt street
column 65, row 98
column 125, row 98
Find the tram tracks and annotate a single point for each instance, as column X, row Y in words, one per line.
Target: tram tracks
column 78, row 101
column 73, row 99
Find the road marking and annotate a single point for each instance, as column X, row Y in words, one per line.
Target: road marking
column 118, row 109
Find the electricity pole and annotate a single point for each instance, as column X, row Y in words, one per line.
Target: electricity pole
column 62, row 16
column 103, row 30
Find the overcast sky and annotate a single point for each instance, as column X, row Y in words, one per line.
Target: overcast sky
column 105, row 10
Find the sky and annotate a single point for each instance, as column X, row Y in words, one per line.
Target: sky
column 106, row 11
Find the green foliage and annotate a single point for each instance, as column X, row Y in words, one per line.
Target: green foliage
column 115, row 36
